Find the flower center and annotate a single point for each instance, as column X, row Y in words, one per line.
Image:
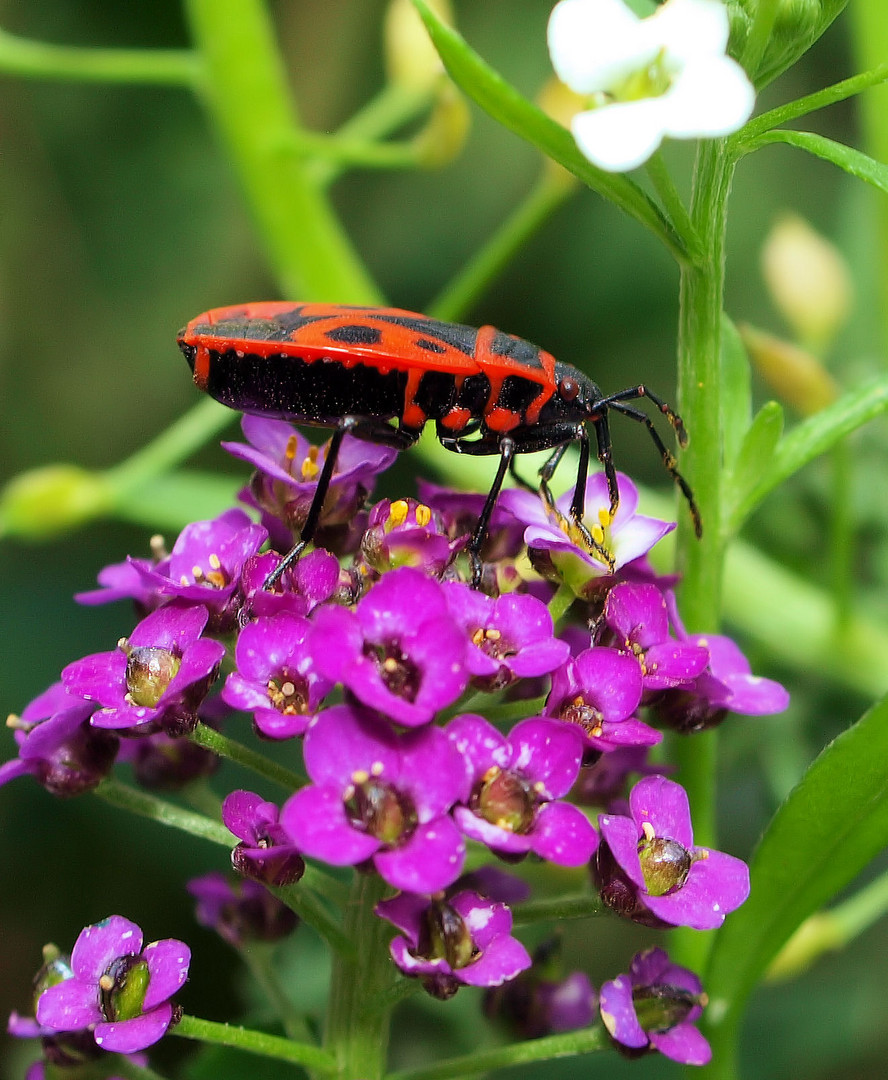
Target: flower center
column 398, row 672
column 288, row 695
column 492, row 643
column 661, row 1007
column 213, row 576
column 149, row 671
column 648, row 82
column 505, row 799
column 665, row 863
column 375, row 807
column 310, row 466
column 578, row 711
column 122, row 988
column 445, row 936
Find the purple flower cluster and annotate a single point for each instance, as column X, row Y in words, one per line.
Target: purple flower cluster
column 396, row 674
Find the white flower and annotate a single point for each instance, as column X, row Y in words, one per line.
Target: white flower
column 666, row 75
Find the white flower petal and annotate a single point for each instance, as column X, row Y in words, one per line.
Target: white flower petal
column 595, row 43
column 621, row 136
column 710, row 97
column 691, row 28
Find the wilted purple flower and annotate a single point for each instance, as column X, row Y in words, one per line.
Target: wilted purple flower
column 64, row 1051
column 447, row 943
column 407, row 533
column 516, row 783
column 727, row 685
column 117, row 988
column 638, row 620
column 598, row 692
column 240, row 911
column 57, row 745
column 206, row 563
column 655, row 1007
column 557, row 547
column 265, row 851
column 510, row 638
column 276, row 678
column 399, row 651
column 158, row 676
column 381, row 796
column 650, row 871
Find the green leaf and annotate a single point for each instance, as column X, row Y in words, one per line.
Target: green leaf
column 854, row 162
column 827, row 831
column 754, row 457
column 812, row 438
column 511, row 109
column 736, row 390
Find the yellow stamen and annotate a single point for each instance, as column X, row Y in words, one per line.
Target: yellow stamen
column 423, row 515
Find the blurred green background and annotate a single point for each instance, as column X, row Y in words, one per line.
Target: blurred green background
column 121, row 219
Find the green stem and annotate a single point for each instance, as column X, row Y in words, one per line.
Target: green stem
column 560, row 602
column 584, row 906
column 254, row 1042
column 675, row 207
column 247, row 96
column 360, row 1004
column 841, row 536
column 150, row 806
column 458, row 296
column 554, row 1046
column 360, row 153
column 211, row 739
column 39, row 60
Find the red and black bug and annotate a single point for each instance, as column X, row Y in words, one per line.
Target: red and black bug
column 355, row 369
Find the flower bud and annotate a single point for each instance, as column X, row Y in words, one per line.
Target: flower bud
column 411, row 59
column 808, row 280
column 796, row 376
column 44, row 502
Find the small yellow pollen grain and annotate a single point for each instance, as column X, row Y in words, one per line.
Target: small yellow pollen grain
column 397, row 513
column 539, row 787
column 183, row 580
column 157, row 547
column 597, row 534
column 123, row 645
column 310, row 467
column 423, row 515
column 360, row 776
column 648, row 830
column 106, row 982
column 493, row 635
column 390, row 664
column 377, row 768
column 287, row 689
column 214, row 561
column 128, row 698
column 478, row 636
column 14, row 721
column 605, row 517
column 291, row 448
column 197, row 573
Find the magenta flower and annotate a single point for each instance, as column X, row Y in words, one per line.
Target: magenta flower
column 655, row 1007
column 117, row 988
column 380, row 796
column 399, row 651
column 638, row 620
column 510, row 638
column 158, row 676
column 265, row 852
column 240, row 911
column 407, row 533
column 650, row 871
column 57, row 745
column 448, row 943
column 276, row 677
column 311, row 580
column 459, row 512
column 517, row 783
column 559, row 551
column 598, row 692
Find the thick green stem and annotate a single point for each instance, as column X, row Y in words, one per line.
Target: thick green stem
column 254, row 1042
column 249, row 100
column 360, row 1001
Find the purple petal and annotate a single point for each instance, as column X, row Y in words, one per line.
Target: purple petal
column 664, row 804
column 240, row 811
column 563, row 835
column 479, row 743
column 127, row 1036
column 172, row 627
column 486, row 920
column 168, row 962
column 316, row 823
column 618, row 1013
column 432, row 771
column 684, row 1044
column 99, row 677
column 69, row 1005
column 342, row 740
column 672, row 663
column 503, row 959
column 98, row 945
column 400, row 949
column 431, row 859
column 638, row 614
column 621, row 835
column 405, row 911
column 493, row 836
column 715, row 886
column 548, row 754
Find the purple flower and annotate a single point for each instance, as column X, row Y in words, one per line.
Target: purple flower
column 117, row 988
column 276, row 678
column 510, row 638
column 655, row 1007
column 460, row 510
column 516, row 783
column 399, row 651
column 638, row 619
column 407, row 533
column 121, row 581
column 157, row 677
column 650, row 870
column 240, row 911
column 206, row 563
column 265, row 852
column 312, row 580
column 598, row 692
column 381, row 796
column 560, row 551
column 57, row 745
column 447, row 943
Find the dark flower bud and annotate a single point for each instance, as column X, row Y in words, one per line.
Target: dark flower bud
column 661, row 1007
column 444, row 935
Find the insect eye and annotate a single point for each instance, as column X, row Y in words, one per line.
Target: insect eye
column 568, row 388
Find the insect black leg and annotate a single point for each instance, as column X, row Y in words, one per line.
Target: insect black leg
column 641, row 391
column 507, row 455
column 606, row 457
column 347, row 424
column 667, row 456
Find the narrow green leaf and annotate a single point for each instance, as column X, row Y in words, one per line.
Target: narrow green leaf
column 827, row 831
column 854, row 162
column 736, row 390
column 754, row 457
column 511, row 109
column 813, row 437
